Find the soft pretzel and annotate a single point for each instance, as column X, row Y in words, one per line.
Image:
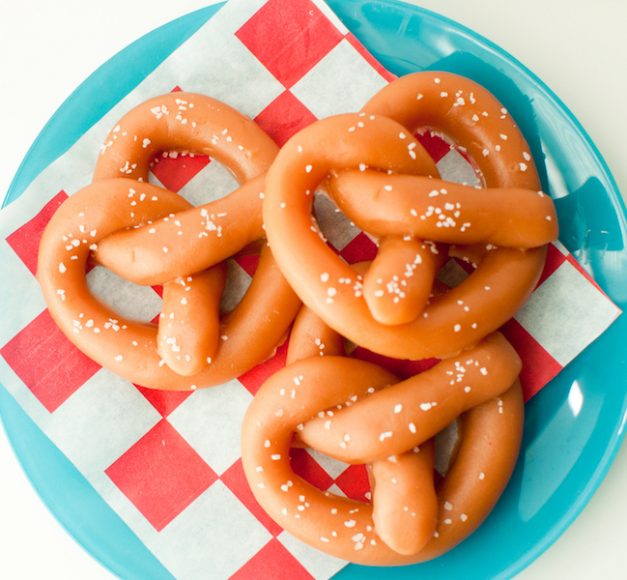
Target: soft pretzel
column 330, row 402
column 192, row 348
column 504, row 278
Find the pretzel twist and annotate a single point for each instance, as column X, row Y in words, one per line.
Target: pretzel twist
column 193, row 347
column 355, row 411
column 359, row 413
column 369, row 158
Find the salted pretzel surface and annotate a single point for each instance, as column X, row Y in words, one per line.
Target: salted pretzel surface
column 193, row 347
column 358, row 412
column 370, row 155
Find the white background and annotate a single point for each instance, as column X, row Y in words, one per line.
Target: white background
column 47, row 48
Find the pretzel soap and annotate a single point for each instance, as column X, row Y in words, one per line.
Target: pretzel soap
column 193, row 347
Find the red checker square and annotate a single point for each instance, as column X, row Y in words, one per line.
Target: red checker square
column 464, row 153
column 371, row 60
column 248, row 263
column 436, row 146
column 464, row 265
column 91, row 264
column 284, row 116
column 361, row 248
column 272, row 561
column 163, row 401
column 554, row 259
column 257, row 376
column 289, row 38
column 235, row 480
column 402, row 368
column 539, row 367
column 353, row 481
column 176, row 172
column 308, row 468
column 25, row 240
column 48, row 363
column 161, row 474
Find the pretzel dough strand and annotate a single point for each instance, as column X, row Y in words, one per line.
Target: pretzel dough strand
column 441, row 211
column 404, row 502
column 187, row 123
column 416, row 409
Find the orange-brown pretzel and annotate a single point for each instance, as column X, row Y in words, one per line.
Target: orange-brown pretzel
column 191, row 340
column 406, row 208
column 357, row 412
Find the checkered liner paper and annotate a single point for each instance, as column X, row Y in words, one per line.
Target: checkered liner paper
column 169, row 463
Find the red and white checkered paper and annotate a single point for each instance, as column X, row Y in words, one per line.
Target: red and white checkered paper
column 169, row 463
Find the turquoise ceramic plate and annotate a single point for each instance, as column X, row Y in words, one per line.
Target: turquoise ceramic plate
column 565, row 454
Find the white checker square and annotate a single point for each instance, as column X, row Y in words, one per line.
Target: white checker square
column 566, row 313
column 233, row 15
column 19, row 289
column 453, row 167
column 341, row 82
column 335, row 226
column 318, row 564
column 100, row 421
column 199, row 543
column 229, row 73
column 332, row 466
column 211, row 183
column 332, row 16
column 561, row 247
column 237, row 283
column 129, row 300
column 210, row 420
column 335, row 490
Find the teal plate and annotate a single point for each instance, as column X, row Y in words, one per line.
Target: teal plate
column 565, row 453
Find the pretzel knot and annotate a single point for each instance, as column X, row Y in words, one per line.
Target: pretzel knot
column 121, row 220
column 386, row 183
column 357, row 412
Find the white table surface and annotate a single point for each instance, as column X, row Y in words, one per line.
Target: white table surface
column 47, row 48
